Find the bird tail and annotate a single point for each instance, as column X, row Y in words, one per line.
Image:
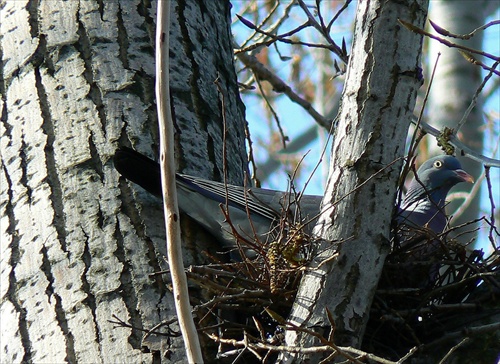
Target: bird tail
column 139, row 169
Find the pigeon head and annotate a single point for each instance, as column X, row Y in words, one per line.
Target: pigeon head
column 435, row 178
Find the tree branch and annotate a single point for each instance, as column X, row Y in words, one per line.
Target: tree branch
column 279, row 85
column 170, row 206
column 464, row 149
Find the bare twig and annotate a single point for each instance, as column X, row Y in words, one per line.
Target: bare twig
column 272, row 29
column 284, row 138
column 170, row 206
column 475, row 97
column 464, row 149
column 468, row 331
column 280, row 86
column 341, row 10
column 415, row 140
column 417, row 30
column 323, row 30
column 450, row 352
column 470, row 58
column 320, row 159
column 154, row 330
column 447, row 33
column 280, row 38
column 269, row 15
column 492, row 204
column 315, row 349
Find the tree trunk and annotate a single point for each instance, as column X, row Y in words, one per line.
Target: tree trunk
column 377, row 104
column 78, row 246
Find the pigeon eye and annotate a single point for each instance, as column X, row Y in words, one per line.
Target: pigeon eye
column 438, row 164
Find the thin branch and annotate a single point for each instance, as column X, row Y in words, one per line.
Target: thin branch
column 284, row 39
column 447, row 33
column 264, row 21
column 450, row 352
column 468, row 331
column 273, row 27
column 251, row 158
column 154, row 330
column 334, row 47
column 280, row 86
column 320, row 159
column 475, row 97
column 470, row 58
column 415, row 140
column 284, row 138
column 298, row 349
column 320, row 16
column 464, row 149
column 492, row 203
column 447, row 42
column 471, row 307
column 341, row 10
column 170, row 206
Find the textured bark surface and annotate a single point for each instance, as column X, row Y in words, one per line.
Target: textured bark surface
column 377, row 103
column 77, row 245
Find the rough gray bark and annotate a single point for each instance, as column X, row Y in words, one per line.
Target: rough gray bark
column 78, row 246
column 455, row 83
column 377, row 103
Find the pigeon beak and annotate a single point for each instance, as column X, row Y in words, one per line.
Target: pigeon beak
column 464, row 176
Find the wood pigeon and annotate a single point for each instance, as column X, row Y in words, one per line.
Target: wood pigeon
column 423, row 207
column 425, row 200
column 201, row 199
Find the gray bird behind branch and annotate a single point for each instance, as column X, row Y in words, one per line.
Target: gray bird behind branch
column 253, row 212
column 425, row 201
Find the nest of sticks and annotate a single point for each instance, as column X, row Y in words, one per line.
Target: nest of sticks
column 248, row 299
column 434, row 293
